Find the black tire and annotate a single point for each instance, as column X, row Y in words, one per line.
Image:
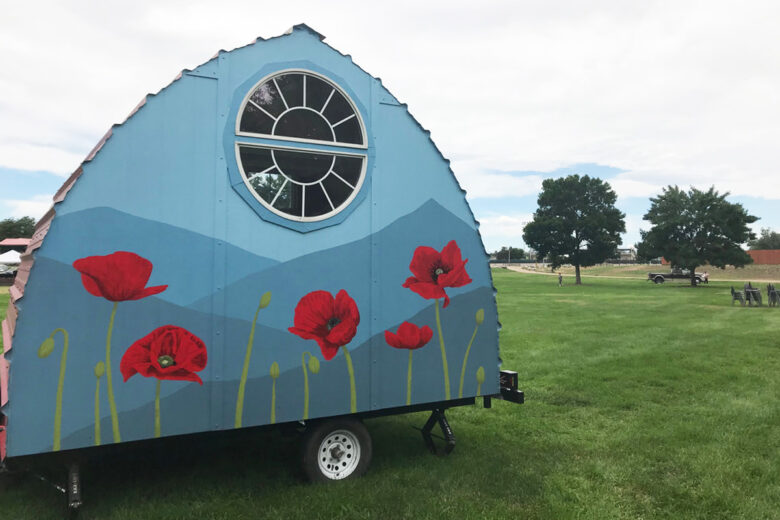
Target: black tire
column 658, row 279
column 336, row 449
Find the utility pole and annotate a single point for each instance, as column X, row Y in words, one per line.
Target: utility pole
column 509, row 255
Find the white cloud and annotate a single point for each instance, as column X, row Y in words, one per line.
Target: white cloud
column 490, row 185
column 29, row 156
column 503, row 230
column 34, row 207
column 674, row 93
column 624, row 186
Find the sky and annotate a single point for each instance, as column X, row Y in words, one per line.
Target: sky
column 641, row 94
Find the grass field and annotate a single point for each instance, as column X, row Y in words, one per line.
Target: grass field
column 643, row 401
column 752, row 273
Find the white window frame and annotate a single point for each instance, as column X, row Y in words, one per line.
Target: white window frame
column 301, row 218
column 335, row 87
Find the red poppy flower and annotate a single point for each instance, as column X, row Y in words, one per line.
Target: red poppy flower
column 433, row 271
column 331, row 321
column 409, row 336
column 168, row 352
column 117, row 277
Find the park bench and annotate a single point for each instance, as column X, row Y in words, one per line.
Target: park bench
column 773, row 295
column 737, row 296
column 752, row 295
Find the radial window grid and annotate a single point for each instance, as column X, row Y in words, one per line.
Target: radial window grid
column 301, row 106
column 293, row 181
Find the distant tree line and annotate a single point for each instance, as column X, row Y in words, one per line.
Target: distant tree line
column 506, row 254
column 17, row 228
column 767, row 239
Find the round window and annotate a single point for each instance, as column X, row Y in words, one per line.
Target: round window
column 291, row 111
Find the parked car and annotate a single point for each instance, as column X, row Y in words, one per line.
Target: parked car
column 677, row 273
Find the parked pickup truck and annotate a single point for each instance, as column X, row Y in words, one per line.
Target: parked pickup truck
column 676, row 273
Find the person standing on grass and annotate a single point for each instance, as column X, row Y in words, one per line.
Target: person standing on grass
column 560, row 280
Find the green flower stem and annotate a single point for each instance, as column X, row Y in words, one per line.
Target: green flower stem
column 157, row 410
column 60, row 384
column 305, row 385
column 351, row 370
column 465, row 361
column 480, row 379
column 409, row 381
column 273, row 402
column 97, row 411
column 245, row 371
column 443, row 355
column 109, row 380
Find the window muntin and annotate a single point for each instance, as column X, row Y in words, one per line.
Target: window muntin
column 301, row 185
column 291, row 180
column 299, row 105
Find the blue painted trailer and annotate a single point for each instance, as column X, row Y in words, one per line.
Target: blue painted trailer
column 271, row 238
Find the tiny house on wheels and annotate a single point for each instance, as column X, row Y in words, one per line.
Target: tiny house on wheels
column 271, row 239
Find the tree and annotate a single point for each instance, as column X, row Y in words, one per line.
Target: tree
column 576, row 222
column 768, row 239
column 695, row 228
column 507, row 254
column 17, row 228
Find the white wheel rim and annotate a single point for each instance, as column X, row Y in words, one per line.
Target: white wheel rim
column 338, row 455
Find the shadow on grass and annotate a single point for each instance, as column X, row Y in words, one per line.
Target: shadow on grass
column 259, row 466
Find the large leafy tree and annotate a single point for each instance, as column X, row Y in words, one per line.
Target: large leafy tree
column 576, row 222
column 768, row 239
column 695, row 228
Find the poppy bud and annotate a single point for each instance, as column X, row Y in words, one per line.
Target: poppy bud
column 46, row 348
column 274, row 367
column 480, row 317
column 100, row 369
column 314, row 365
column 480, row 375
column 265, row 300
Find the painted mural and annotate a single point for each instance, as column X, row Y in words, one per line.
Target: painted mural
column 181, row 301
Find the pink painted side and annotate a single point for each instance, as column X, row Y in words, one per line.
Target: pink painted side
column 10, row 322
column 4, row 365
column 2, row 436
column 8, row 335
column 16, row 293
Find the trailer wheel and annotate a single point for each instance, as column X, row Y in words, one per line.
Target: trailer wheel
column 658, row 279
column 336, row 449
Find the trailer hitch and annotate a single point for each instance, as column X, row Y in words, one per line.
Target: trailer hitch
column 438, row 417
column 508, row 381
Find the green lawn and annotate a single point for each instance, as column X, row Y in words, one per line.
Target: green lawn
column 643, row 401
